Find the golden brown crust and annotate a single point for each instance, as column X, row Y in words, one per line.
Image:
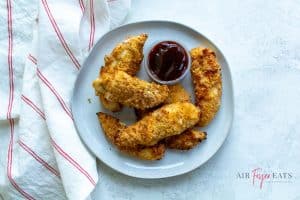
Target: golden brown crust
column 177, row 94
column 126, row 56
column 207, row 80
column 155, row 152
column 112, row 106
column 189, row 138
column 171, row 119
column 186, row 140
column 112, row 126
column 142, row 113
column 120, row 87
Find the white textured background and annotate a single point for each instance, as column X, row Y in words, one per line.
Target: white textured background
column 261, row 40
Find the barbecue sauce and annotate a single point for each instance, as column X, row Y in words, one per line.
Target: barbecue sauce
column 168, row 60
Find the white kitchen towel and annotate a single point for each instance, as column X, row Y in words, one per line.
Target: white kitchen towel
column 41, row 155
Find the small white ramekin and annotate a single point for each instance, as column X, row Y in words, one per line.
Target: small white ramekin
column 153, row 76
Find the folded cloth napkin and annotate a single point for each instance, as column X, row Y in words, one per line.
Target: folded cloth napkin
column 43, row 44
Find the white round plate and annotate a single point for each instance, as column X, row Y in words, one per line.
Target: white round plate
column 85, row 104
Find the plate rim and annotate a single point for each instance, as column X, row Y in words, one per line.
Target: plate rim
column 186, row 170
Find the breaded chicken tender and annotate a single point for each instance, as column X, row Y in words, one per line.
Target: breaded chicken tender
column 186, row 140
column 112, row 126
column 171, row 119
column 155, row 152
column 207, row 80
column 126, row 56
column 112, row 106
column 177, row 93
column 122, row 88
column 189, row 138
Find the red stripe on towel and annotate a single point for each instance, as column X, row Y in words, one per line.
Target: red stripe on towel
column 33, row 106
column 73, row 162
column 92, row 21
column 81, row 5
column 59, row 35
column 59, row 98
column 10, row 103
column 39, row 159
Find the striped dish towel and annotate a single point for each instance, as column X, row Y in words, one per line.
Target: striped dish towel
column 43, row 43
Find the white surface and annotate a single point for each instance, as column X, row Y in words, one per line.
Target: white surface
column 261, row 42
column 174, row 162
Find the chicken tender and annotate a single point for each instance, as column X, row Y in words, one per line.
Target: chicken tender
column 112, row 106
column 126, row 56
column 177, row 93
column 207, row 80
column 130, row 91
column 189, row 138
column 171, row 119
column 186, row 140
column 112, row 126
column 155, row 152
